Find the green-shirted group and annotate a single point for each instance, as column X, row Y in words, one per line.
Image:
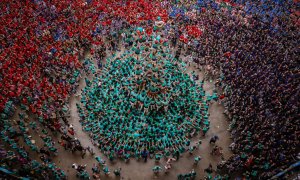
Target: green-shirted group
column 143, row 100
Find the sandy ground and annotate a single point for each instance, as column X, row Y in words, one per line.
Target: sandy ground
column 138, row 170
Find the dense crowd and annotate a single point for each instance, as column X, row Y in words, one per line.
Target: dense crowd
column 143, row 101
column 41, row 45
column 252, row 48
column 249, row 46
column 259, row 78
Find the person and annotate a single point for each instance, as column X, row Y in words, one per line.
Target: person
column 91, row 151
column 106, row 170
column 43, row 150
column 156, row 169
column 209, row 170
column 204, row 130
column 191, row 175
column 117, row 171
column 213, row 139
column 158, row 157
column 145, row 155
column 100, row 161
column 232, row 146
column 192, row 149
column 168, row 165
column 95, row 169
column 217, row 151
column 199, row 143
column 197, row 159
column 83, row 153
column 177, row 155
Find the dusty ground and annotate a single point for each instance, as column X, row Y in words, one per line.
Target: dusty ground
column 138, row 170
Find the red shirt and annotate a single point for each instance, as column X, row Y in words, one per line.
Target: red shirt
column 222, row 96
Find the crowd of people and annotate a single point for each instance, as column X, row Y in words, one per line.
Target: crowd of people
column 250, row 47
column 17, row 158
column 42, row 43
column 258, row 72
column 143, row 100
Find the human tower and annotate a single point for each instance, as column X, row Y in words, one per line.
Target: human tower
column 144, row 99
